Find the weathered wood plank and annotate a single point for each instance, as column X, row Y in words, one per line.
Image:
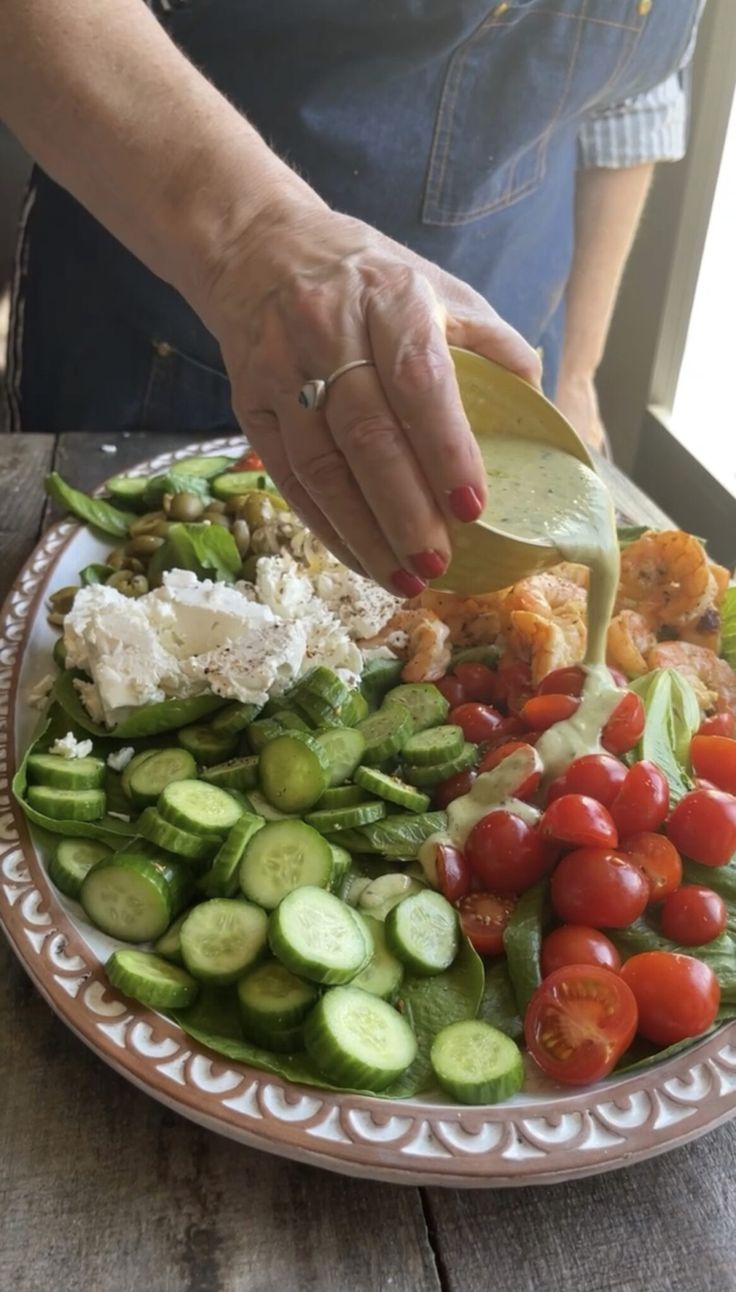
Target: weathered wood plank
column 24, row 461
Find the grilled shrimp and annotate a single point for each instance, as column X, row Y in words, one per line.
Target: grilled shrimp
column 421, row 638
column 667, row 578
column 630, row 636
column 713, row 680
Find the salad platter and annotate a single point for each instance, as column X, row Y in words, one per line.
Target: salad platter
column 212, row 1023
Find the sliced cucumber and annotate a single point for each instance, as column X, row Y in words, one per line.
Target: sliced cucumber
column 344, row 748
column 66, row 773
column 353, row 886
column 426, row 705
column 290, row 720
column 236, row 483
column 221, row 939
column 434, row 745
column 169, row 944
column 67, row 805
column 318, row 937
column 346, row 818
column 134, row 895
column 127, row 772
column 261, row 732
column 271, row 999
column 283, row 856
column 385, row 732
column 204, row 468
column 237, row 774
column 294, row 771
column 475, row 1063
column 222, row 879
column 423, row 775
column 153, row 774
column 355, row 709
column 341, row 863
column 151, row 980
column 379, row 676
column 358, row 1040
column 326, row 685
column 205, row 744
column 234, row 718
column 72, row 862
column 423, row 932
column 383, row 974
column 385, row 892
column 340, row 796
column 198, row 807
column 181, row 843
column 127, row 490
column 259, row 804
column 391, row 789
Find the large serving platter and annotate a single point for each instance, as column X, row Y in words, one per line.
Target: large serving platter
column 544, row 1135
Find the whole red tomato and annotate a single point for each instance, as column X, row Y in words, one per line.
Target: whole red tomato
column 453, row 788
column 703, row 826
column 453, row 872
column 578, row 820
column 643, row 801
column 478, row 682
column 563, row 681
column 677, row 996
column 543, row 711
column 576, row 944
column 478, row 721
column 598, row 887
column 625, row 725
column 658, row 860
column 693, row 915
column 506, row 854
column 714, row 759
column 452, row 689
column 597, row 776
column 718, row 724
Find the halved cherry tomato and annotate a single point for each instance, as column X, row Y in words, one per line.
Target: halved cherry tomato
column 453, row 872
column 478, row 681
column 658, row 859
column 677, row 996
column 452, row 689
column 484, row 917
column 478, row 721
column 510, row 729
column 579, row 1023
column 693, row 915
column 718, row 724
column 453, row 788
column 514, row 683
column 714, row 758
column 250, row 461
column 579, row 820
column 543, row 711
column 597, row 776
column 563, row 681
column 598, row 887
column 643, row 801
column 494, row 757
column 625, row 725
column 576, row 944
column 506, row 854
column 703, row 826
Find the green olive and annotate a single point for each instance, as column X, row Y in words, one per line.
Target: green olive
column 216, row 518
column 241, row 534
column 128, row 584
column 115, row 558
column 258, row 509
column 143, row 545
column 186, row 506
column 154, row 522
column 264, row 542
column 236, row 506
column 216, row 504
column 133, row 565
column 61, row 602
column 56, row 619
column 249, row 568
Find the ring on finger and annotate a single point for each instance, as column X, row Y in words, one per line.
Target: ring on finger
column 313, row 394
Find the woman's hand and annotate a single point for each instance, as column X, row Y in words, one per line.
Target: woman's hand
column 390, row 459
column 577, row 400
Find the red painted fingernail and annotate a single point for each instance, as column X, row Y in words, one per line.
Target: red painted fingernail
column 407, row 583
column 429, row 564
column 465, row 503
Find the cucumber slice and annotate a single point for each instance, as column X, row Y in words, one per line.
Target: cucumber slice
column 475, row 1063
column 259, row 733
column 151, row 980
column 385, row 732
column 221, row 939
column 128, row 491
column 383, row 974
column 340, row 796
column 127, row 773
column 344, row 748
column 153, row 774
column 72, row 862
column 358, row 1040
column 341, row 863
column 236, row 483
column 135, row 895
column 181, row 843
column 236, row 774
column 423, row 932
column 66, row 773
column 346, row 818
column 353, row 886
column 271, row 999
column 290, row 720
column 426, row 705
column 434, row 745
column 198, row 807
column 384, row 893
column 294, row 771
column 203, row 468
column 316, row 711
column 325, row 685
column 260, row 805
column 391, row 789
column 355, row 709
column 318, row 937
column 379, row 676
column 205, row 744
column 283, row 856
column 169, row 944
column 421, row 775
column 222, row 878
column 234, row 718
column 67, row 805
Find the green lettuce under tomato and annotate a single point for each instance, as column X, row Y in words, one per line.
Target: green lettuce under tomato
column 672, row 718
column 149, row 720
column 719, row 955
column 522, row 942
column 728, row 627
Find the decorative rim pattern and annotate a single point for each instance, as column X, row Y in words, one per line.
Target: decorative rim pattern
column 410, row 1142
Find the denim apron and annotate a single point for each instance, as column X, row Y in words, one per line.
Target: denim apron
column 450, row 125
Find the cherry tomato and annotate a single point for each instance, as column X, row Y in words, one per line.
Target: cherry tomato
column 506, row 854
column 563, row 681
column 693, row 915
column 598, row 887
column 625, row 725
column 718, row 724
column 714, row 758
column 579, row 1022
column 478, row 681
column 514, row 683
column 452, row 689
column 494, row 757
column 250, row 461
column 484, row 917
column 643, row 801
column 453, row 872
column 509, row 729
column 543, row 711
column 478, row 721
column 657, row 858
column 576, row 944
column 677, row 996
column 703, row 826
column 453, row 788
column 597, row 776
column 577, row 819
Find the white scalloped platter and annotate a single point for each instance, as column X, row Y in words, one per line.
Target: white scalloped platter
column 542, row 1136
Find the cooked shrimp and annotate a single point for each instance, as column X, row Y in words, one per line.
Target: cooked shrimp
column 630, row 636
column 473, row 621
column 713, row 680
column 419, row 636
column 547, row 643
column 666, row 577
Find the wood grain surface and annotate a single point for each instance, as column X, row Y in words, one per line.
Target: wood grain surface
column 103, row 1190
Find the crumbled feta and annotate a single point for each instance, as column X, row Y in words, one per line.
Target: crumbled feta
column 37, row 695
column 119, row 760
column 89, row 695
column 69, row 747
column 361, row 605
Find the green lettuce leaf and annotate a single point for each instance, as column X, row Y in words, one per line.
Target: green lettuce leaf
column 498, row 1006
column 93, row 511
column 149, row 720
column 208, row 550
column 728, row 627
column 672, row 718
column 720, row 954
column 522, row 942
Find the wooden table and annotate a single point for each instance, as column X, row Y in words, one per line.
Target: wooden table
column 103, row 1190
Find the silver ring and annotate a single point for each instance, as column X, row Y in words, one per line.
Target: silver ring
column 314, row 393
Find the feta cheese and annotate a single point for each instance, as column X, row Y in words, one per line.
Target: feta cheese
column 361, row 605
column 69, row 747
column 264, row 662
column 36, row 696
column 119, row 760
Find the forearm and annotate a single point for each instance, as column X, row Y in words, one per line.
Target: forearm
column 105, row 102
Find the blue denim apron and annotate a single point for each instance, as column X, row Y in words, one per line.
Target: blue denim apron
column 449, row 124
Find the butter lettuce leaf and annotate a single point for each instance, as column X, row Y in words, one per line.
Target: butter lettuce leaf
column 728, row 627
column 208, row 550
column 672, row 718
